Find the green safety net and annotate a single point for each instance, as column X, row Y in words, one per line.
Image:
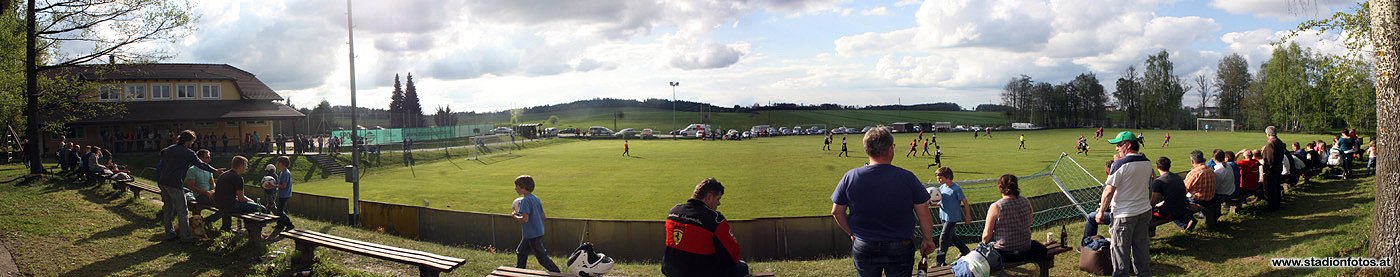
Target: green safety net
column 1078, row 193
column 397, row 135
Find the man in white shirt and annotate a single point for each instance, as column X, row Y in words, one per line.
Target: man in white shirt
column 1127, row 201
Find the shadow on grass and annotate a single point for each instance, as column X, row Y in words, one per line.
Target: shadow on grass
column 1306, row 210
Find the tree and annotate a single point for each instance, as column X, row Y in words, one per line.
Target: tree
column 111, row 28
column 1015, row 95
column 1162, row 92
column 1286, row 86
column 553, row 120
column 396, row 111
column 412, row 108
column 1385, row 222
column 1203, row 88
column 1089, row 100
column 1231, row 82
column 1129, row 94
column 444, row 117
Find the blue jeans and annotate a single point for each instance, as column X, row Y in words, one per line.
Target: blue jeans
column 1091, row 225
column 893, row 258
column 948, row 238
column 174, row 208
column 534, row 246
column 282, row 219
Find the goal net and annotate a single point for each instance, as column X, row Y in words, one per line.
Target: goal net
column 1215, row 124
column 1062, row 193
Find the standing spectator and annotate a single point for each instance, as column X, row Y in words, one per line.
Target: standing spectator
column 225, row 139
column 1201, row 184
column 698, row 239
column 1126, row 201
column 1371, row 157
column 284, row 192
column 871, row 203
column 175, row 161
column 956, row 210
column 531, row 217
column 1273, row 168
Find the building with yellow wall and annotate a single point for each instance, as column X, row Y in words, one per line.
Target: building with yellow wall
column 221, row 103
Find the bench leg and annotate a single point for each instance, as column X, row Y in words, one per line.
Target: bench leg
column 306, row 256
column 427, row 271
column 1045, row 266
column 254, row 230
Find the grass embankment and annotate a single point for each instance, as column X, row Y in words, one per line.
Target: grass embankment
column 57, row 228
column 765, row 177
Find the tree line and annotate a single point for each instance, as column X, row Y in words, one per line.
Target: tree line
column 1297, row 90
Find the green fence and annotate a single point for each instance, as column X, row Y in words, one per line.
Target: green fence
column 397, row 135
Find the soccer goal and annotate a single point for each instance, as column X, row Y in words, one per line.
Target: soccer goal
column 1215, row 124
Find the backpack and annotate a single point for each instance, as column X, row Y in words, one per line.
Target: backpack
column 1096, row 260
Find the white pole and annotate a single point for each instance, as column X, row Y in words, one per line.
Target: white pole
column 354, row 124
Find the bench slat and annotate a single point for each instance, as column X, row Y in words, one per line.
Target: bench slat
column 354, row 249
column 506, row 271
column 381, row 252
column 384, row 247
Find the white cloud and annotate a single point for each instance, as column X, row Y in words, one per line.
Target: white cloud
column 710, row 56
column 1282, row 10
column 877, row 11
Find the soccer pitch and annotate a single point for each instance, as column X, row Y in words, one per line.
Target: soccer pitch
column 765, row 177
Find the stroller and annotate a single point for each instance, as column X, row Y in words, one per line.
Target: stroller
column 1338, row 163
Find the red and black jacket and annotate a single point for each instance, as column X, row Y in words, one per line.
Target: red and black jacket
column 698, row 242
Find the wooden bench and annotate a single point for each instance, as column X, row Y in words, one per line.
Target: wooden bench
column 1045, row 264
column 429, row 264
column 253, row 222
column 137, row 187
column 506, row 271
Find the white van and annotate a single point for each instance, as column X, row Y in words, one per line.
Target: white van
column 694, row 130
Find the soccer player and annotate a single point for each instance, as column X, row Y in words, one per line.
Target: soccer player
column 1167, row 140
column 826, row 143
column 926, row 148
column 937, row 157
column 913, row 148
column 843, row 148
column 626, row 148
column 1023, row 141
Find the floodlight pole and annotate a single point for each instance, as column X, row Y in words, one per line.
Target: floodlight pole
column 354, row 125
column 673, row 108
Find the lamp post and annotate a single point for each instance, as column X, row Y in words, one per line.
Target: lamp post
column 354, row 125
column 673, row 108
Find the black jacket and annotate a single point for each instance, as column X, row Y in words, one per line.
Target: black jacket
column 175, row 161
column 698, row 242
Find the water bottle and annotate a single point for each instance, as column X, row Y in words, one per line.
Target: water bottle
column 923, row 267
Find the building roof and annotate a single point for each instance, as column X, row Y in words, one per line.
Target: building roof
column 249, row 87
column 199, row 110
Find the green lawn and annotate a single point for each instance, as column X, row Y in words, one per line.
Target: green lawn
column 768, row 177
column 54, row 227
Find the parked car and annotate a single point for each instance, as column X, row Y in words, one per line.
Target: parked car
column 815, row 131
column 747, row 134
column 502, row 131
column 785, row 131
column 551, row 132
column 648, row 133
column 600, row 131
column 627, row 133
column 772, row 132
column 570, row 130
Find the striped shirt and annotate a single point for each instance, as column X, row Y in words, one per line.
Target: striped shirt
column 1012, row 231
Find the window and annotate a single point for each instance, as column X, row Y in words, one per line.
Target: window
column 136, row 92
column 160, row 92
column 185, row 91
column 232, row 123
column 109, row 93
column 76, row 132
column 210, row 91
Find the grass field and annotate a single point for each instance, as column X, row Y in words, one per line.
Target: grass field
column 55, row 227
column 768, row 177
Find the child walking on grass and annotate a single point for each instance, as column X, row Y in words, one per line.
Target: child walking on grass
column 530, row 214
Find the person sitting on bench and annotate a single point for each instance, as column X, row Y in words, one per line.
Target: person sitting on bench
column 1008, row 225
column 200, row 183
column 229, row 197
column 698, row 239
column 1248, row 175
column 1169, row 197
column 1200, row 183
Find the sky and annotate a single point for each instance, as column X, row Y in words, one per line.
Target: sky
column 490, row 55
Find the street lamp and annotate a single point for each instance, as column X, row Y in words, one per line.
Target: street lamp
column 673, row 108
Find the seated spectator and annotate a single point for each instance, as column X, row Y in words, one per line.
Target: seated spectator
column 1225, row 182
column 698, row 239
column 1248, row 174
column 1008, row 225
column 229, row 196
column 200, row 183
column 1169, row 197
column 1200, row 183
column 112, row 164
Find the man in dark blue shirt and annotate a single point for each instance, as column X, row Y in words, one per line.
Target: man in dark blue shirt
column 876, row 204
column 175, row 161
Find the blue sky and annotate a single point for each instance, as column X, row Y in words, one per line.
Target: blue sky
column 487, row 55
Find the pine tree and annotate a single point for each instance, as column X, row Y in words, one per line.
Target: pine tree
column 396, row 105
column 412, row 108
